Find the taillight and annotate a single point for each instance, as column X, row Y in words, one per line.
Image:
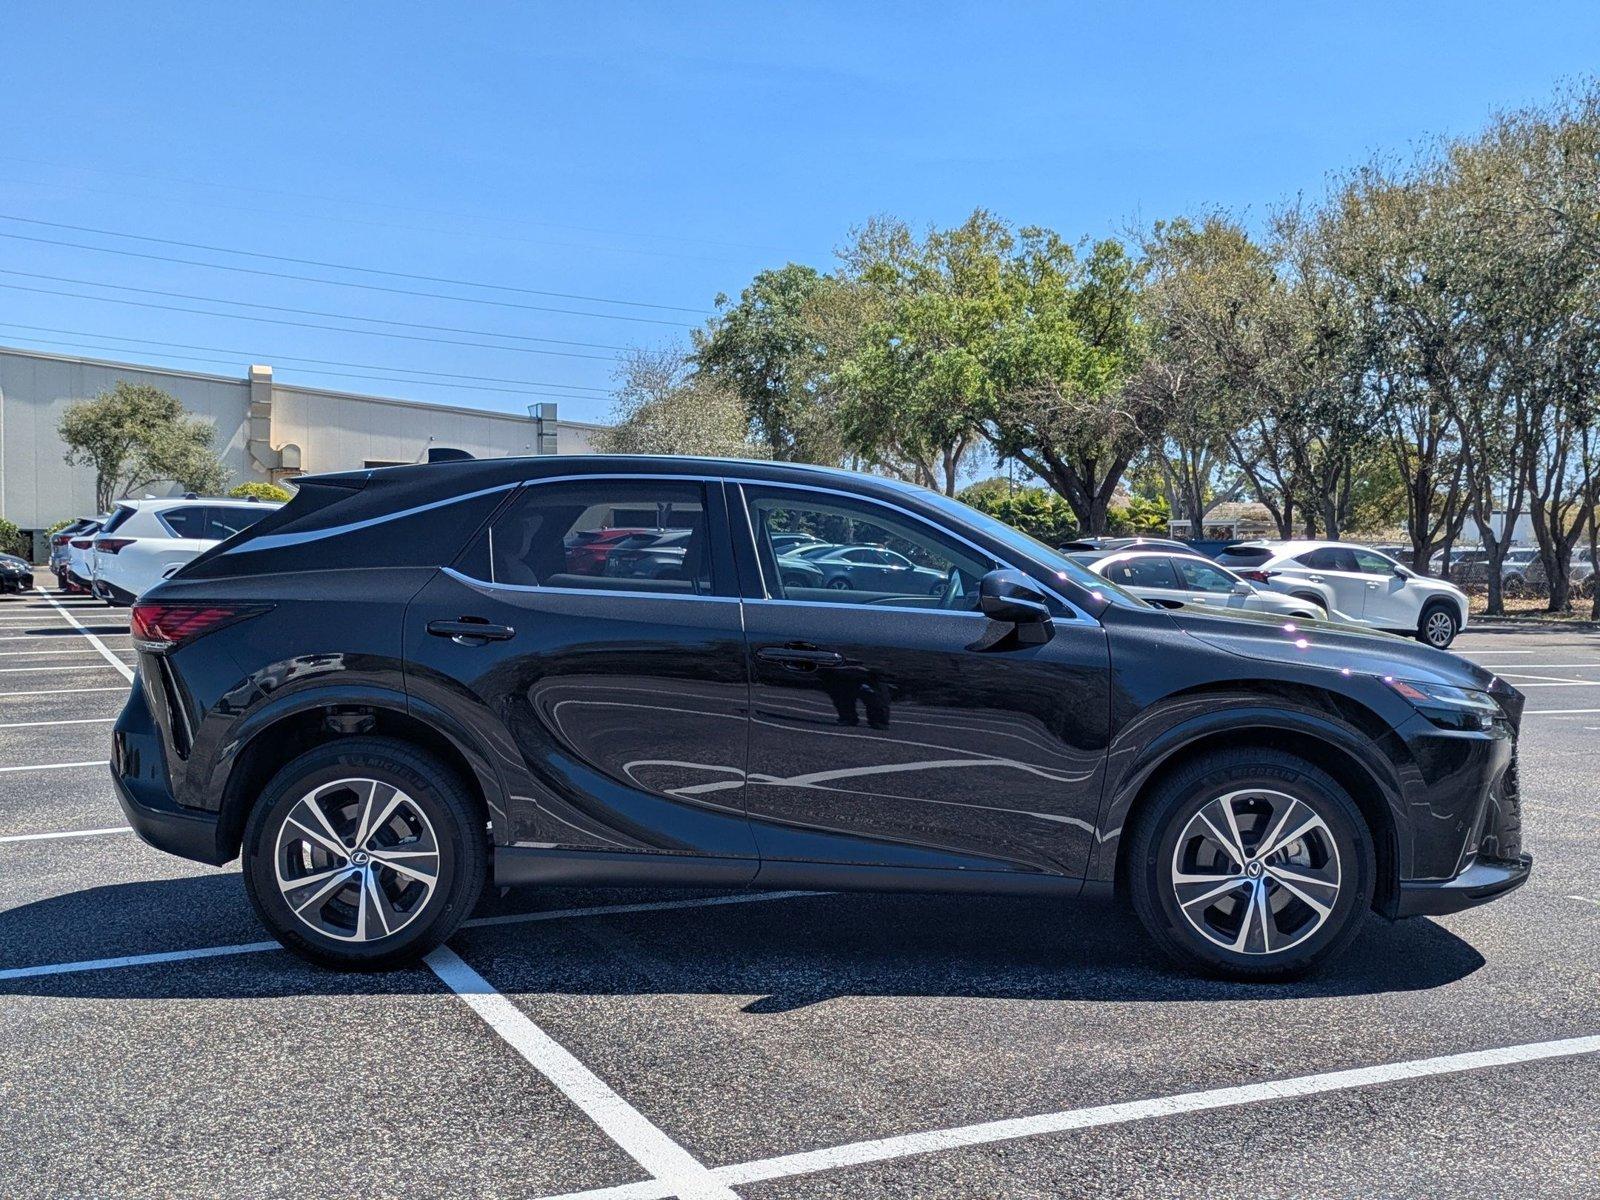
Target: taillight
column 112, row 545
column 160, row 627
column 1256, row 576
column 61, row 539
column 81, row 543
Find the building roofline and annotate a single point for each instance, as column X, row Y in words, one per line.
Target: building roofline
column 278, row 385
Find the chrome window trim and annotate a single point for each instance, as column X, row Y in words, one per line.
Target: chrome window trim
column 1073, row 613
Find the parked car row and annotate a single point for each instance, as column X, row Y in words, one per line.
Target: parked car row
column 119, row 555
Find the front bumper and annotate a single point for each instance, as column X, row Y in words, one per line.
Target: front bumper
column 1485, row 880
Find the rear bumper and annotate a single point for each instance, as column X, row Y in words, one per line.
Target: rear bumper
column 1485, row 880
column 112, row 594
column 139, row 770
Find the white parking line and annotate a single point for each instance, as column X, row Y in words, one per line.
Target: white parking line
column 67, row 721
column 127, row 671
column 554, row 914
column 1547, row 678
column 64, row 691
column 676, row 1172
column 883, row 1149
column 70, row 833
column 60, row 667
column 1558, row 712
column 57, row 653
column 98, row 762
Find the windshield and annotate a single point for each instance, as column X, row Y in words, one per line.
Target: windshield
column 1040, row 552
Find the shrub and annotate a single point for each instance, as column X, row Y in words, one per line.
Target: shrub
column 262, row 491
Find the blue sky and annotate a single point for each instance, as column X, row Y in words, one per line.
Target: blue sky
column 656, row 153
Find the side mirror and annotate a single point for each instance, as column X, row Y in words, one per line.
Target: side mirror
column 1011, row 597
column 1404, row 572
column 1242, row 588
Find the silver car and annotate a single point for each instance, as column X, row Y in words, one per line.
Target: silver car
column 1168, row 578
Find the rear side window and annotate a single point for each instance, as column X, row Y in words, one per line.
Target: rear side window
column 225, row 520
column 623, row 535
column 116, row 519
column 1151, row 572
column 186, row 522
column 1328, row 558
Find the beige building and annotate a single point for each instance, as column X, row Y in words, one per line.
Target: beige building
column 266, row 430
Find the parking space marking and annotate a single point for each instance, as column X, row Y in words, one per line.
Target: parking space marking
column 127, row 671
column 676, row 1172
column 68, row 833
column 1548, row 679
column 56, row 653
column 883, row 1149
column 60, row 667
column 1558, row 712
column 66, row 721
column 66, row 691
column 554, row 914
column 98, row 762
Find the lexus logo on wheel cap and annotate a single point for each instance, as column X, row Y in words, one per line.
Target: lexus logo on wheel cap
column 1253, row 870
column 359, row 858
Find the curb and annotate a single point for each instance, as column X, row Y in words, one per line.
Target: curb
column 1531, row 623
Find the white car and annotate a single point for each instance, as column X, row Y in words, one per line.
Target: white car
column 145, row 541
column 1355, row 584
column 1169, row 578
column 75, row 563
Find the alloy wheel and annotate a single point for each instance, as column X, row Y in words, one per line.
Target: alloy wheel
column 1439, row 629
column 356, row 859
column 1256, row 871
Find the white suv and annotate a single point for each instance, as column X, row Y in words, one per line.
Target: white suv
column 145, row 541
column 1356, row 584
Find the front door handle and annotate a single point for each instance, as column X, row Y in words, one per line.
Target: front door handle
column 798, row 658
column 471, row 631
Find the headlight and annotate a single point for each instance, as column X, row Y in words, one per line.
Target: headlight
column 1451, row 707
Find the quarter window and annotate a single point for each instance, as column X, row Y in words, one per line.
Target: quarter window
column 1143, row 572
column 619, row 535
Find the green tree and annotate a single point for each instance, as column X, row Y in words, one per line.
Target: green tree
column 135, row 435
column 261, row 491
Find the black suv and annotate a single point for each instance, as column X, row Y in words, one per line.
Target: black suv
column 396, row 689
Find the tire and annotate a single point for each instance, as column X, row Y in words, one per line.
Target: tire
column 840, row 584
column 1314, row 600
column 1264, row 787
column 1438, row 624
column 432, row 814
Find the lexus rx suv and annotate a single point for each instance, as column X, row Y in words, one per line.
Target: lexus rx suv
column 394, row 691
column 1355, row 584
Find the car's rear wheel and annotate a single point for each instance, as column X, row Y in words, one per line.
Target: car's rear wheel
column 1438, row 625
column 1314, row 600
column 839, row 584
column 1252, row 864
column 364, row 853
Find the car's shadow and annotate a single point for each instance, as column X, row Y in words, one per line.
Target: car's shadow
column 788, row 953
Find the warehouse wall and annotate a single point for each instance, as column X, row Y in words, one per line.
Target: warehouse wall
column 335, row 431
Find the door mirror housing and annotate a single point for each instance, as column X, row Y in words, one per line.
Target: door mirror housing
column 1242, row 588
column 1011, row 597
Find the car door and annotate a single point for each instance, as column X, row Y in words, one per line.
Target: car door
column 1336, row 567
column 1209, row 584
column 1150, row 576
column 1391, row 602
column 902, row 731
column 615, row 706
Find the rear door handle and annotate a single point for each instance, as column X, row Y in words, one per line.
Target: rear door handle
column 799, row 659
column 471, row 631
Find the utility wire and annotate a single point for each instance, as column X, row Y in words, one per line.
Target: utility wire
column 256, row 356
column 336, row 374
column 205, row 312
column 314, row 262
column 345, row 283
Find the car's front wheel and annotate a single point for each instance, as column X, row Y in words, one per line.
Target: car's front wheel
column 364, row 853
column 1252, row 863
column 1438, row 626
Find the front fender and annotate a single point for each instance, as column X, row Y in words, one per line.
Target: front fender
column 1156, row 736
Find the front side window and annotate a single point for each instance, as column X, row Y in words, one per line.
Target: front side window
column 1370, row 563
column 610, row 534
column 881, row 557
column 224, row 521
column 1203, row 577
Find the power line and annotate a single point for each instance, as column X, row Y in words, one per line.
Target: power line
column 314, row 262
column 203, row 312
column 310, row 312
column 257, row 356
column 470, row 387
column 345, row 283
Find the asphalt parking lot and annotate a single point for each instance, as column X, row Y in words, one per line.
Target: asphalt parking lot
column 796, row 1045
